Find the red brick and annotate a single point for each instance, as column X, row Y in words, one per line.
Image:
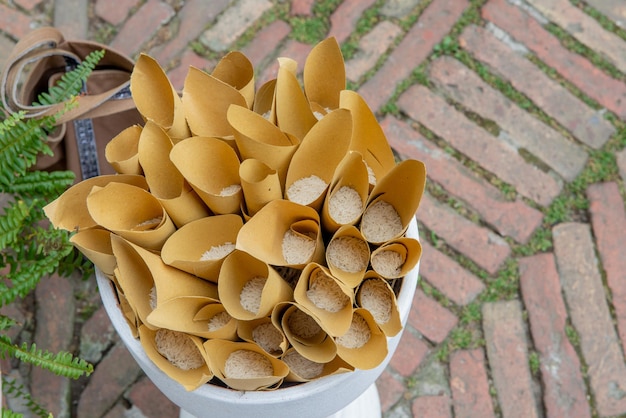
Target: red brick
column 302, row 7
column 113, row 375
column 142, row 26
column 390, row 390
column 265, row 42
column 432, row 407
column 469, row 384
column 564, row 389
column 621, row 163
column 510, row 218
column 16, row 24
column 493, row 154
column 482, row 246
column 520, row 127
column 193, row 17
column 54, row 332
column 115, row 12
column 189, row 58
column 508, row 357
column 371, row 47
column 28, row 4
column 294, row 50
column 434, row 23
column 584, row 293
column 585, row 29
column 343, row 19
column 151, row 401
column 608, row 219
column 447, row 276
column 607, row 91
column 96, row 335
column 409, row 354
column 586, row 124
column 430, row 318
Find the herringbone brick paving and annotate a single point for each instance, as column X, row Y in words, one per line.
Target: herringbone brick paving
column 518, row 109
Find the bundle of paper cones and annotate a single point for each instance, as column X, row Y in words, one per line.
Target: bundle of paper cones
column 253, row 235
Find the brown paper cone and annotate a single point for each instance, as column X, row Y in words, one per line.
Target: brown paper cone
column 132, row 213
column 249, row 288
column 348, row 255
column 186, row 248
column 212, row 168
column 258, row 138
column 127, row 311
column 264, row 101
column 402, row 189
column 283, row 233
column 320, row 153
column 244, row 371
column 357, row 348
column 293, row 112
column 121, row 151
column 325, row 74
column 236, row 70
column 325, row 297
column 156, row 98
column 302, row 369
column 265, row 334
column 376, row 295
column 260, row 184
column 167, row 183
column 347, row 193
column 368, row 137
column 190, row 379
column 395, row 258
column 69, row 211
column 221, row 325
column 304, row 332
column 206, row 100
column 95, row 244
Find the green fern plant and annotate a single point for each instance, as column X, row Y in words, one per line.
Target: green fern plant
column 30, row 248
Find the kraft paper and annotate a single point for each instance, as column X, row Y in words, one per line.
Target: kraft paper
column 357, row 253
column 260, row 185
column 373, row 352
column 324, row 74
column 409, row 250
column 236, row 70
column 376, row 291
column 293, row 112
column 121, row 151
column 335, row 366
column 95, row 244
column 264, row 101
column 245, row 331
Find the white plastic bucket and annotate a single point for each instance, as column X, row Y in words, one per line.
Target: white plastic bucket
column 316, row 399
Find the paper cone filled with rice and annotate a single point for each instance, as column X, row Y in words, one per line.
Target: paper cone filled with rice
column 253, row 236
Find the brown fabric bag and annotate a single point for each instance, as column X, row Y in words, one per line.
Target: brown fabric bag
column 105, row 107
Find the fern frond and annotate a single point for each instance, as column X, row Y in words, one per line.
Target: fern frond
column 62, row 363
column 42, row 183
column 6, row 322
column 71, row 82
column 20, row 146
column 13, row 221
column 17, row 391
column 10, row 414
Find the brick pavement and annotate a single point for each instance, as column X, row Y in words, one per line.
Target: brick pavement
column 518, row 109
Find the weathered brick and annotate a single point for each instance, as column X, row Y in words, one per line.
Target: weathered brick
column 343, row 19
column 584, row 293
column 399, row 8
column 28, row 4
column 469, row 384
column 607, row 91
column 193, row 16
column 233, row 23
column 390, row 390
column 70, row 17
column 585, row 29
column 447, row 276
column 508, row 358
column 142, row 26
column 54, row 331
column 564, row 389
column 586, row 124
column 482, row 246
column 150, row 400
column 110, row 379
column 371, row 47
column 432, row 407
column 409, row 354
column 430, row 318
column 494, row 155
column 265, row 42
column 302, row 7
column 434, row 23
column 520, row 127
column 114, row 12
column 608, row 218
column 189, row 58
column 510, row 218
column 14, row 23
column 614, row 10
column 96, row 335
